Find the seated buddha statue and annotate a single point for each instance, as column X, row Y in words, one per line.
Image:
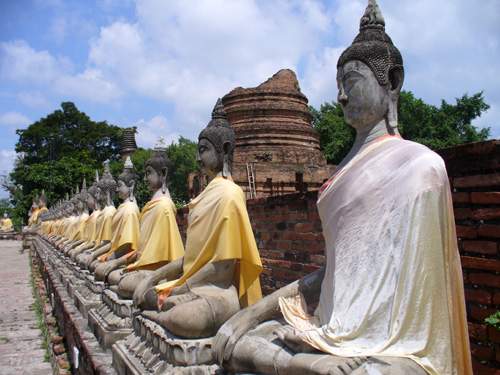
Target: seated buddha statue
column 33, row 214
column 159, row 238
column 90, row 233
column 125, row 225
column 220, row 270
column 83, row 215
column 107, row 186
column 6, row 224
column 390, row 295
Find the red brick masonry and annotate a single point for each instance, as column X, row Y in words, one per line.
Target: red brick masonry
column 288, row 234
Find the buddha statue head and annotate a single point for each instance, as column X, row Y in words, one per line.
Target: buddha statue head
column 370, row 75
column 82, row 197
column 216, row 144
column 156, row 168
column 107, row 185
column 42, row 200
column 126, row 181
column 94, row 195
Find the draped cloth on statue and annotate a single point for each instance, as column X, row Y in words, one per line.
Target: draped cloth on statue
column 104, row 223
column 219, row 229
column 71, row 226
column 91, row 226
column 80, row 227
column 33, row 217
column 125, row 228
column 159, row 240
column 393, row 283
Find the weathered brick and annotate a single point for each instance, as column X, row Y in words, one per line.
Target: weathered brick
column 462, row 213
column 494, row 334
column 483, row 180
column 482, row 352
column 485, row 279
column 492, row 197
column 489, row 230
column 464, row 231
column 461, row 198
column 481, row 247
column 481, row 263
column 478, row 331
column 496, row 297
column 478, row 313
column 303, row 227
column 485, row 213
column 477, row 295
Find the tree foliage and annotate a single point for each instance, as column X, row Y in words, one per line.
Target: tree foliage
column 435, row 127
column 56, row 153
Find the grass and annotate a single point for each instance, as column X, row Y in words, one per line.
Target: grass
column 38, row 309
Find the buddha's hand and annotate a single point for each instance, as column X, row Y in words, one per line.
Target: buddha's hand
column 230, row 332
column 140, row 291
column 110, row 267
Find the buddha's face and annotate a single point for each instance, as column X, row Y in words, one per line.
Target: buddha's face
column 363, row 100
column 123, row 190
column 208, row 158
column 91, row 202
column 153, row 179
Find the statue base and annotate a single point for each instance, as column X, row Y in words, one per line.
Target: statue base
column 88, row 295
column 111, row 321
column 152, row 349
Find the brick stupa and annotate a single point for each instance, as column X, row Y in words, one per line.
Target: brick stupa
column 275, row 138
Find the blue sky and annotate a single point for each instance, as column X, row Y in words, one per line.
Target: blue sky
column 161, row 64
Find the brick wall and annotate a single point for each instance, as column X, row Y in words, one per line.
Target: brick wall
column 288, row 233
column 474, row 171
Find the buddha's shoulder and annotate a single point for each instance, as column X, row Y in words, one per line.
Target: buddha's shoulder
column 421, row 155
column 229, row 190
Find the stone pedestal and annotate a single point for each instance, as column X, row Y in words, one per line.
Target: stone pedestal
column 112, row 320
column 88, row 295
column 152, row 349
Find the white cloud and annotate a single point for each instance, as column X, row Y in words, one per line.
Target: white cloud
column 33, row 99
column 21, row 63
column 14, row 119
column 149, row 132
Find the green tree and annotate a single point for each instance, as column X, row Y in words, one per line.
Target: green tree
column 435, row 127
column 182, row 155
column 56, row 153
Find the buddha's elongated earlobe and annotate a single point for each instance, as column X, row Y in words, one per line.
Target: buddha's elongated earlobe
column 164, row 183
column 392, row 117
column 131, row 192
column 226, row 171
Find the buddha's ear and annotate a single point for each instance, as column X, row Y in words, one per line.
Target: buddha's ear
column 226, row 147
column 396, row 78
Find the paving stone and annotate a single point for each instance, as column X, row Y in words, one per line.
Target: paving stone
column 20, row 339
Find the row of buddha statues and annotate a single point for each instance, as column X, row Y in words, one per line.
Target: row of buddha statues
column 388, row 300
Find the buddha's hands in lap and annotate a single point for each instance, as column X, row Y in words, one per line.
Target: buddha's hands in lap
column 140, row 291
column 231, row 331
column 178, row 299
column 110, row 267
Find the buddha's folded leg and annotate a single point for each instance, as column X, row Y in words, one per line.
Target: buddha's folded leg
column 196, row 318
column 93, row 265
column 115, row 276
column 129, row 282
column 389, row 366
column 260, row 351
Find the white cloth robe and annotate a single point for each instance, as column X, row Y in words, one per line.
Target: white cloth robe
column 393, row 283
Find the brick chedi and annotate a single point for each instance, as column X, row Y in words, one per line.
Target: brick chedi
column 275, row 138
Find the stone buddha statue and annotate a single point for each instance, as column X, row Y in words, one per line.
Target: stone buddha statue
column 125, row 226
column 220, row 270
column 94, row 199
column 390, row 296
column 159, row 239
column 107, row 186
column 33, row 212
column 78, row 236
